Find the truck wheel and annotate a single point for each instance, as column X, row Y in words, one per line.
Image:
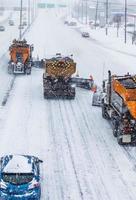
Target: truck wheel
column 115, row 132
column 115, row 127
column 10, row 69
column 104, row 112
column 119, row 139
column 28, row 71
column 45, row 96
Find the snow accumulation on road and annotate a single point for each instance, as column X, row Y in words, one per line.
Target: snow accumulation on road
column 82, row 160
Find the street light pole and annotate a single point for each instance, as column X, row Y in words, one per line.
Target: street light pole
column 107, row 11
column 125, row 39
column 21, row 7
column 82, row 11
column 96, row 13
column 33, row 10
column 86, row 11
column 78, row 10
column 28, row 12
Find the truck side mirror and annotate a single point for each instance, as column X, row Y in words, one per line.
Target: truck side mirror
column 40, row 161
column 32, row 47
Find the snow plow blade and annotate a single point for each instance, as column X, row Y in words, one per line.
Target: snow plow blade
column 83, row 83
column 38, row 64
column 97, row 98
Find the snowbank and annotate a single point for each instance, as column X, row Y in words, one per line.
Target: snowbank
column 5, row 17
column 110, row 41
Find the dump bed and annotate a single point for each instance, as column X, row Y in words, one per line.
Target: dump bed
column 125, row 87
column 60, row 67
column 19, row 49
column 25, row 53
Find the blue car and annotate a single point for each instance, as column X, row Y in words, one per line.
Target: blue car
column 20, row 177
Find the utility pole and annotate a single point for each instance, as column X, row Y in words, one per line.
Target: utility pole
column 32, row 9
column 21, row 7
column 82, row 11
column 125, row 39
column 96, row 13
column 86, row 11
column 70, row 8
column 107, row 16
column 33, row 14
column 78, row 10
column 28, row 12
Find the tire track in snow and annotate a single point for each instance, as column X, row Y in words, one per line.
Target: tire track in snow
column 11, row 85
column 131, row 155
column 104, row 141
column 52, row 133
column 88, row 156
column 71, row 155
column 16, row 120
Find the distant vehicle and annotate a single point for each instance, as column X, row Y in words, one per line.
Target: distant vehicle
column 130, row 24
column 20, row 27
column 2, row 28
column 24, row 23
column 11, row 22
column 21, row 60
column 130, row 27
column 93, row 24
column 66, row 22
column 72, row 23
column 85, row 34
column 20, row 177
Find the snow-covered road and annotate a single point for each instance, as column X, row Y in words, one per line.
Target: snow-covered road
column 82, row 160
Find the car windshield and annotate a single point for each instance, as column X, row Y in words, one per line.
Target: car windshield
column 19, row 178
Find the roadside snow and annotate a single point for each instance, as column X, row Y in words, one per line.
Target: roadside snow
column 82, row 160
column 110, row 41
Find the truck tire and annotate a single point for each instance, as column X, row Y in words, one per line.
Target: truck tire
column 119, row 140
column 10, row 69
column 45, row 95
column 115, row 127
column 104, row 112
column 28, row 71
column 114, row 132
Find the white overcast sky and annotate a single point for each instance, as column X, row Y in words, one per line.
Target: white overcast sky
column 17, row 2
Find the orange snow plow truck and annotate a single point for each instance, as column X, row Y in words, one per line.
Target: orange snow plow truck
column 119, row 105
column 57, row 77
column 20, row 57
column 58, row 80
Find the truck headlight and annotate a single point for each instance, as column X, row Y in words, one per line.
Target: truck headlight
column 73, row 85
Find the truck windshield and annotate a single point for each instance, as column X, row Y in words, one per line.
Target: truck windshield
column 17, row 179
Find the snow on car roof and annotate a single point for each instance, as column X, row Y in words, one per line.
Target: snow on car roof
column 18, row 164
